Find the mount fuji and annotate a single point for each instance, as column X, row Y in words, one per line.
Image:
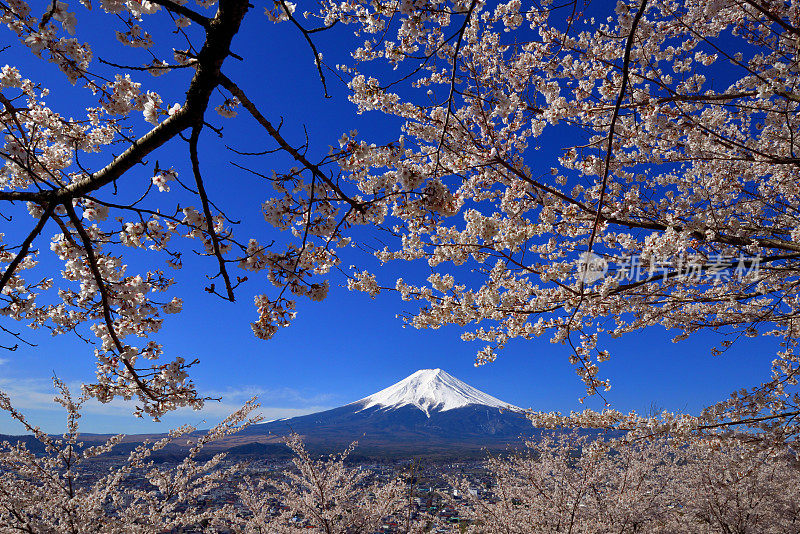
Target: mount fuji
column 431, row 390
column 429, row 413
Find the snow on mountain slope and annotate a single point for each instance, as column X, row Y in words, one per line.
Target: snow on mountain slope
column 431, row 390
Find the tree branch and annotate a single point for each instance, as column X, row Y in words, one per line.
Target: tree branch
column 186, row 12
column 26, row 246
column 773, row 17
column 220, row 32
column 623, row 87
column 91, row 260
column 275, row 134
column 201, row 191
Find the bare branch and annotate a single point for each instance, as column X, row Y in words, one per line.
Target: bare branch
column 249, row 106
column 26, row 244
column 201, row 190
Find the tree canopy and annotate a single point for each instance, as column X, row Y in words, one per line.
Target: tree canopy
column 566, row 170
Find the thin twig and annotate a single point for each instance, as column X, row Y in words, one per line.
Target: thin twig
column 201, row 191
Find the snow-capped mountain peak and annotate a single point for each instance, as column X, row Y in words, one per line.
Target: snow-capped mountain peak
column 430, row 390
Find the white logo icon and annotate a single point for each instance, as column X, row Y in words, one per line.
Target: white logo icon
column 590, row 268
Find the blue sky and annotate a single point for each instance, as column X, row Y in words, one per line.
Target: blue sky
column 348, row 346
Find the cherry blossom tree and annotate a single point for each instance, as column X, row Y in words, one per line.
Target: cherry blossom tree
column 560, row 483
column 671, row 198
column 733, row 488
column 567, row 484
column 322, row 494
column 75, row 185
column 50, row 492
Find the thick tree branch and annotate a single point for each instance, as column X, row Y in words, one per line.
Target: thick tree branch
column 773, row 17
column 220, row 32
column 185, row 11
